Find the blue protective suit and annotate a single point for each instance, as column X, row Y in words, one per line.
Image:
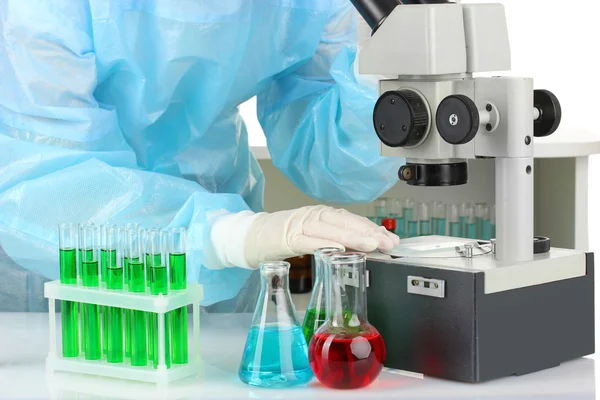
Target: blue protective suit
column 126, row 110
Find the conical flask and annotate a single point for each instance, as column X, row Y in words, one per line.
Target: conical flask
column 346, row 352
column 315, row 314
column 276, row 353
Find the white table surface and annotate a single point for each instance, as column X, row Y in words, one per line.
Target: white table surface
column 24, row 345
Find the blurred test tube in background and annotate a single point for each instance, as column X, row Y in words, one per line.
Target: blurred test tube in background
column 424, row 219
column 454, row 225
column 439, row 218
column 463, row 213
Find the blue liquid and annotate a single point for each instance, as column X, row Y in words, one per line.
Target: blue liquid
column 425, row 228
column 413, row 229
column 493, row 231
column 439, row 226
column 373, row 219
column 400, row 227
column 487, row 230
column 471, row 231
column 455, row 229
column 479, row 229
column 275, row 356
column 407, row 214
column 463, row 226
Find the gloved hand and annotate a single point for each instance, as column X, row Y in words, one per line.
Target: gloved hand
column 285, row 234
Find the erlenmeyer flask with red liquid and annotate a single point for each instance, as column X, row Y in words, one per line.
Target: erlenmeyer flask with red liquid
column 346, row 352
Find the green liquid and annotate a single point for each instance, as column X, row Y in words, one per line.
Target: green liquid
column 312, row 321
column 115, row 335
column 93, row 346
column 413, row 229
column 493, row 231
column 400, row 227
column 455, row 229
column 479, row 228
column 70, row 328
column 179, row 333
column 425, row 228
column 441, row 227
column 151, row 261
column 139, row 354
column 463, row 226
column 90, row 273
column 178, row 271
column 68, row 266
column 69, row 309
column 179, row 325
column 160, row 282
column 137, row 283
column 128, row 313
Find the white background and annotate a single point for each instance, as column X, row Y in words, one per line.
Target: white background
column 557, row 43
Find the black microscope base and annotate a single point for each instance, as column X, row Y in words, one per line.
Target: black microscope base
column 473, row 337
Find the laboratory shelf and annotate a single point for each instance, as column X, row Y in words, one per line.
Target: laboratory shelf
column 145, row 302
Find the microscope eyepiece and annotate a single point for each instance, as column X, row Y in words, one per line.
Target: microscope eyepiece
column 375, row 12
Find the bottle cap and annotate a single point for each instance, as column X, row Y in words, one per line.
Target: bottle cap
column 389, row 224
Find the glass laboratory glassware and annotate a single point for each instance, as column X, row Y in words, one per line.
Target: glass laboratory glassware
column 424, row 219
column 439, row 218
column 398, row 214
column 454, row 225
column 412, row 223
column 315, row 314
column 487, row 225
column 67, row 245
column 112, row 327
column 493, row 221
column 90, row 278
column 134, row 255
column 108, row 254
column 276, row 354
column 381, row 209
column 464, row 210
column 176, row 246
column 128, row 313
column 346, row 352
column 480, row 215
column 408, row 214
column 470, row 224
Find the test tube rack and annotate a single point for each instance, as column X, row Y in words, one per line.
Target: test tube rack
column 160, row 304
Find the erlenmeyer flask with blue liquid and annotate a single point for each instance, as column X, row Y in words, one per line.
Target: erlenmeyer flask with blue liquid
column 276, row 353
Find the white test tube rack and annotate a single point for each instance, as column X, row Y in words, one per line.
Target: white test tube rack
column 161, row 304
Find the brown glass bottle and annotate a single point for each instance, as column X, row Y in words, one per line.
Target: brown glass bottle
column 300, row 274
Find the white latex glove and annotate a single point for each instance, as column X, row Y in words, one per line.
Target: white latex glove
column 246, row 239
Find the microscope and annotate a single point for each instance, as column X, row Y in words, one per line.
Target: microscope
column 455, row 308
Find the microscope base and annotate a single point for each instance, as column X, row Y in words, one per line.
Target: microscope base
column 468, row 335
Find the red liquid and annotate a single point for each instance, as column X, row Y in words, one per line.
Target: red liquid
column 347, row 361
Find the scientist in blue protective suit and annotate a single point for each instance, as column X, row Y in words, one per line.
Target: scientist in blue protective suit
column 126, row 111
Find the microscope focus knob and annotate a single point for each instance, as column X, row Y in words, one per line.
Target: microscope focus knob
column 457, row 119
column 401, row 118
column 549, row 113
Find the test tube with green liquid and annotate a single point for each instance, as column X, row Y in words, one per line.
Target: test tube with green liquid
column 454, row 225
column 107, row 256
column 128, row 313
column 67, row 243
column 137, row 284
column 176, row 244
column 112, row 247
column 156, row 262
column 90, row 278
column 424, row 219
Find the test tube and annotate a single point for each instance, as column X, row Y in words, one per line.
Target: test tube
column 156, row 262
column 91, row 312
column 454, row 221
column 107, row 249
column 439, row 216
column 412, row 225
column 493, row 221
column 424, row 219
column 67, row 243
column 381, row 210
column 112, row 248
column 176, row 243
column 480, row 214
column 137, row 284
column 471, row 224
column 463, row 213
column 126, row 272
column 397, row 213
column 408, row 214
column 487, row 225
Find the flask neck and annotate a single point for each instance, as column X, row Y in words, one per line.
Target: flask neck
column 274, row 304
column 345, row 294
